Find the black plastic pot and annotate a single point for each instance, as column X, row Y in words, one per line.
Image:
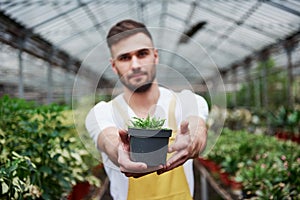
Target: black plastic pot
column 149, row 146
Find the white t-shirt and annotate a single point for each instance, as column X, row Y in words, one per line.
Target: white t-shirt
column 104, row 115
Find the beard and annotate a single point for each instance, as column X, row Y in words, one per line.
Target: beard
column 138, row 88
column 143, row 88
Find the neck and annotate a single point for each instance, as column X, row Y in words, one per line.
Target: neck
column 143, row 103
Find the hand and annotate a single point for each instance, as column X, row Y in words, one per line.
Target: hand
column 128, row 167
column 187, row 144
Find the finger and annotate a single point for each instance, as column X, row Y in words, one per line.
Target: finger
column 132, row 167
column 182, row 139
column 136, row 175
column 138, row 167
column 170, row 167
column 161, row 171
column 181, row 142
column 149, row 170
column 178, row 156
column 176, row 164
column 124, row 136
column 178, row 146
column 126, row 165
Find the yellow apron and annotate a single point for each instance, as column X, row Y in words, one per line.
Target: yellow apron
column 171, row 185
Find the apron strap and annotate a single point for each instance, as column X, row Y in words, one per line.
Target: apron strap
column 171, row 115
column 117, row 107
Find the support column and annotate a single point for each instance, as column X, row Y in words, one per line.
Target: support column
column 234, row 84
column 289, row 47
column 21, row 76
column 257, row 92
column 50, row 79
column 67, row 86
column 264, row 78
column 248, row 82
column 223, row 76
column 204, row 190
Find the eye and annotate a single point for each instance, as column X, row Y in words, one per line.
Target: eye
column 124, row 58
column 143, row 53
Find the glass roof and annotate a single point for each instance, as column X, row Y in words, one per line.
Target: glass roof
column 232, row 31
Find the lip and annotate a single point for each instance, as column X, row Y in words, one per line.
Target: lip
column 137, row 75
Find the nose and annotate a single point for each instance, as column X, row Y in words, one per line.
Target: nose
column 135, row 64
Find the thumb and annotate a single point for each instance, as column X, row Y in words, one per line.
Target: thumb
column 178, row 144
column 124, row 136
column 184, row 127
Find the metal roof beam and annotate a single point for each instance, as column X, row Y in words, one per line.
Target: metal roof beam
column 186, row 23
column 191, row 14
column 164, row 9
column 255, row 29
column 74, row 36
column 79, row 33
column 141, row 10
column 282, row 7
column 174, row 17
column 231, row 40
column 60, row 15
column 93, row 18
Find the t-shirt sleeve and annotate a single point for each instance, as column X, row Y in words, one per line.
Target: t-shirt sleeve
column 191, row 104
column 202, row 107
column 99, row 118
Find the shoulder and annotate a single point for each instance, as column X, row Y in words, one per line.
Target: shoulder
column 105, row 106
column 183, row 96
column 189, row 95
column 96, row 111
column 100, row 107
column 192, row 103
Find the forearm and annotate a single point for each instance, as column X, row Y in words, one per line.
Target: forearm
column 108, row 142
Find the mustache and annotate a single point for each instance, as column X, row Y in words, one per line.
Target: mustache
column 139, row 72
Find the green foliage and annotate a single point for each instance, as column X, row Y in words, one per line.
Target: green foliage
column 41, row 157
column 267, row 168
column 274, row 121
column 237, row 119
column 147, row 123
column 286, row 119
column 251, row 94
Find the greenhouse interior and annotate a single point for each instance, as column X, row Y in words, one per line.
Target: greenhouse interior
column 242, row 57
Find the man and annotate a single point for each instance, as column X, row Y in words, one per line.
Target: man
column 134, row 59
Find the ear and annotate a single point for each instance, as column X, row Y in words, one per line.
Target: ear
column 156, row 56
column 113, row 65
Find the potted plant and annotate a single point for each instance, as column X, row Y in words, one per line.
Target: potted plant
column 148, row 140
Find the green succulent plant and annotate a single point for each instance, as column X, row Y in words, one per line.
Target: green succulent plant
column 147, row 123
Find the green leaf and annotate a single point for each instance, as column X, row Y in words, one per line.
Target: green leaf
column 5, row 187
column 45, row 169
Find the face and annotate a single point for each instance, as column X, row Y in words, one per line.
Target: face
column 134, row 60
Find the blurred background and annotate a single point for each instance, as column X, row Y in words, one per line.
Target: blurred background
column 53, row 51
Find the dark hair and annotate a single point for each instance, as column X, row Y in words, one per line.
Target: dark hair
column 124, row 29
